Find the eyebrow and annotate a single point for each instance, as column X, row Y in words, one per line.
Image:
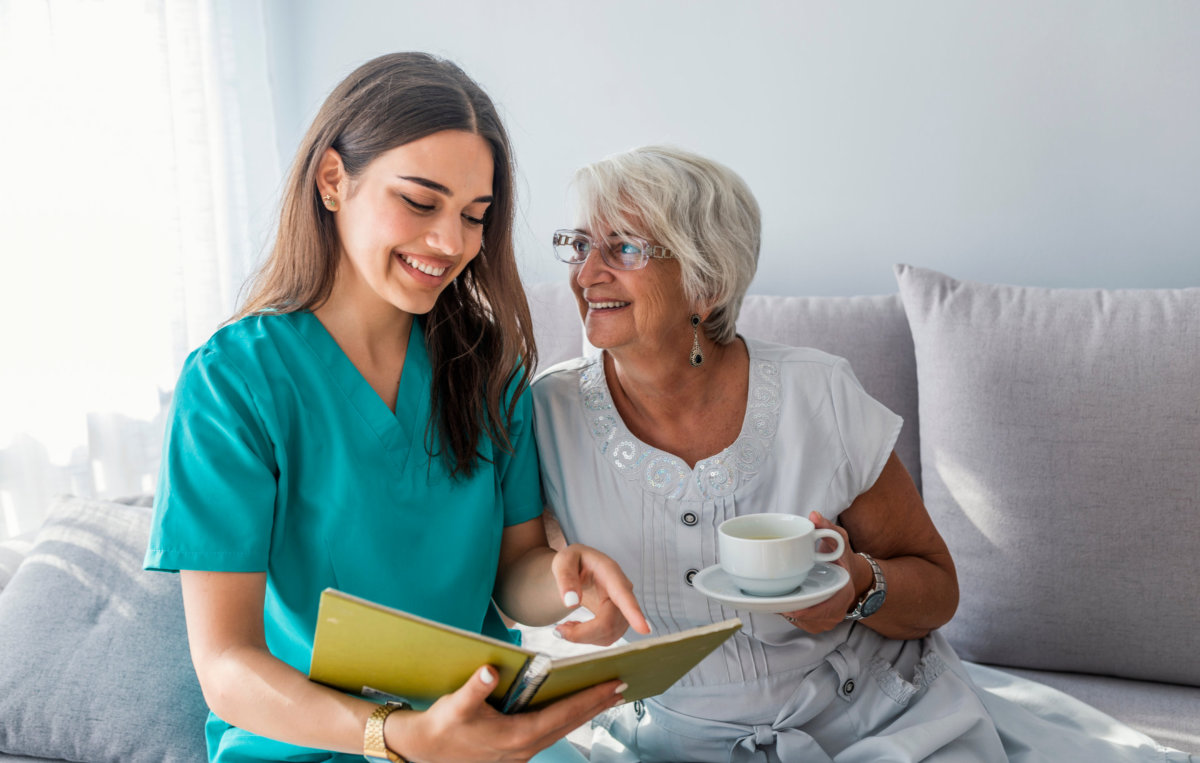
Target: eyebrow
column 433, row 185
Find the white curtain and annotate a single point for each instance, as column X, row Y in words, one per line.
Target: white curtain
column 140, row 171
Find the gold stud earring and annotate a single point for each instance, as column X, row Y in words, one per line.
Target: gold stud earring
column 330, row 202
column 697, row 356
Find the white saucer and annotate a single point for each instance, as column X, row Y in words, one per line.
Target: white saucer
column 822, row 582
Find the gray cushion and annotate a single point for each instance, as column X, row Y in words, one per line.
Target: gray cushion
column 1167, row 713
column 1060, row 456
column 93, row 651
column 870, row 332
column 556, row 324
column 12, row 552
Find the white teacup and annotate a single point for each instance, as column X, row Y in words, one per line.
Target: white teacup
column 772, row 554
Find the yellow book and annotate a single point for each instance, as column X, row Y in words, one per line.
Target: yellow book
column 377, row 651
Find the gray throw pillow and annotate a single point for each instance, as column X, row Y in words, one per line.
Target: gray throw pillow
column 1060, row 456
column 557, row 326
column 12, row 553
column 94, row 662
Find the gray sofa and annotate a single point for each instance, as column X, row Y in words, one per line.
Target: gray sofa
column 1055, row 435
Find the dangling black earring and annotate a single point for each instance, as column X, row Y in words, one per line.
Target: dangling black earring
column 697, row 356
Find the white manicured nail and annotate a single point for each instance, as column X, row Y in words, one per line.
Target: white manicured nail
column 571, row 599
column 621, row 688
column 486, row 676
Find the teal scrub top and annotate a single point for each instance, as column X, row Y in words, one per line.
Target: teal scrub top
column 280, row 458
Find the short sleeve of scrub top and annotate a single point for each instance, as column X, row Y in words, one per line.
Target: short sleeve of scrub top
column 279, row 457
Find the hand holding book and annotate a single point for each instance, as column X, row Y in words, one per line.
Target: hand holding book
column 373, row 650
column 463, row 726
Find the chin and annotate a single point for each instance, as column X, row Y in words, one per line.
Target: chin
column 418, row 307
column 418, row 303
column 602, row 342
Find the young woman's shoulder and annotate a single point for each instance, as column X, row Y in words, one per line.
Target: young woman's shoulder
column 245, row 349
column 249, row 338
column 252, row 332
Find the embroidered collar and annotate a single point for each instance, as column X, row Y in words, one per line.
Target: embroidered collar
column 665, row 474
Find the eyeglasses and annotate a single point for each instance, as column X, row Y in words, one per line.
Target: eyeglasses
column 618, row 251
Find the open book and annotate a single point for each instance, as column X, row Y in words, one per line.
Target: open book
column 376, row 651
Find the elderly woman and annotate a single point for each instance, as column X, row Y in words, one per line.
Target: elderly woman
column 680, row 423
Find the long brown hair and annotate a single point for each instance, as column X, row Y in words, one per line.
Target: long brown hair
column 479, row 333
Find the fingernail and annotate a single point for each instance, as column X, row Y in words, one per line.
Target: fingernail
column 558, row 634
column 486, row 676
column 571, row 599
column 621, row 689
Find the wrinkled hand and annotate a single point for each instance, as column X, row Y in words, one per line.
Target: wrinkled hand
column 463, row 727
column 588, row 577
column 830, row 613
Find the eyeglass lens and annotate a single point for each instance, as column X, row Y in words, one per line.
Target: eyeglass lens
column 626, row 253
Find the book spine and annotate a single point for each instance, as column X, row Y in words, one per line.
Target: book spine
column 526, row 684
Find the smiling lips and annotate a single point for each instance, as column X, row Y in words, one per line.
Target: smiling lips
column 428, row 270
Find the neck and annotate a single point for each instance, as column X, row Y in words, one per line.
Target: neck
column 369, row 327
column 653, row 391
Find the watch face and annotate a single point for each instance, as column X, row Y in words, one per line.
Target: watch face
column 873, row 603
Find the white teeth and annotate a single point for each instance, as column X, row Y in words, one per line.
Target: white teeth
column 605, row 305
column 423, row 267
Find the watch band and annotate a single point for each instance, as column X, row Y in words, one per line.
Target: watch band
column 374, row 748
column 873, row 599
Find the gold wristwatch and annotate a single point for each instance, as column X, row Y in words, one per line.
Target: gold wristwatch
column 374, row 748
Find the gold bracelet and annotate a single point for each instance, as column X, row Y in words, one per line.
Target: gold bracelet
column 374, row 747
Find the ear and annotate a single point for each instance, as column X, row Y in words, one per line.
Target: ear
column 703, row 309
column 331, row 174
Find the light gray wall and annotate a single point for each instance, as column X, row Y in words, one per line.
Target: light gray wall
column 1040, row 142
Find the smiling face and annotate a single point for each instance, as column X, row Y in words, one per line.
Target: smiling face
column 640, row 311
column 412, row 220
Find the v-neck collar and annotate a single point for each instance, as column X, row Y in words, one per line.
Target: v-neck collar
column 398, row 432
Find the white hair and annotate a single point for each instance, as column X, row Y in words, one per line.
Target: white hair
column 700, row 210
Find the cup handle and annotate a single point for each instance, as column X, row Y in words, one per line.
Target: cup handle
column 829, row 556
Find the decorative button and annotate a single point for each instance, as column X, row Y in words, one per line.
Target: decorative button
column 689, row 518
column 848, row 687
column 639, row 709
column 691, row 574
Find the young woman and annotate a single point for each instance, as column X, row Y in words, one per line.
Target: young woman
column 364, row 423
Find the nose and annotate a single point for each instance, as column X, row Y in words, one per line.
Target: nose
column 592, row 270
column 445, row 235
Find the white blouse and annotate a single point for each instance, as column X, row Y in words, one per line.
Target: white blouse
column 812, row 439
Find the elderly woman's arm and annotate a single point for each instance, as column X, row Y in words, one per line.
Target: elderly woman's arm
column 889, row 521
